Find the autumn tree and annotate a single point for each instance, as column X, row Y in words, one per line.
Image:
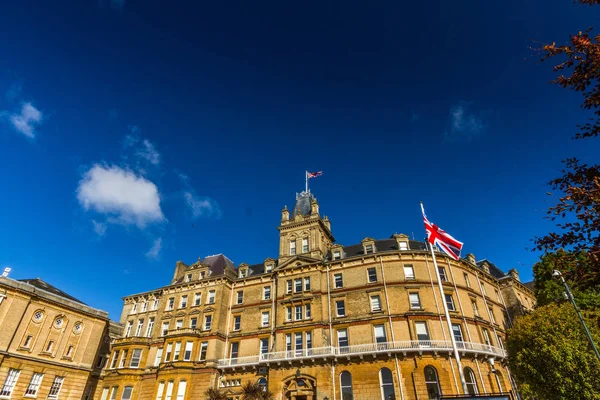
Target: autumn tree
column 577, row 212
column 549, row 353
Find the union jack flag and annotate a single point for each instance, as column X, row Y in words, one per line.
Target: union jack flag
column 437, row 236
column 313, row 174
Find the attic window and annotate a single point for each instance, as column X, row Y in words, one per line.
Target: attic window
column 368, row 249
column 202, row 274
column 188, row 277
column 403, row 245
column 243, row 273
column 268, row 268
column 337, row 255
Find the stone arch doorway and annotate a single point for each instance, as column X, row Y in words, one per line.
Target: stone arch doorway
column 300, row 387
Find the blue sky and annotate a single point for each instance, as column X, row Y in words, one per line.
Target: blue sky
column 137, row 133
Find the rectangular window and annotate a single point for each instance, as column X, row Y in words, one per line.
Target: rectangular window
column 415, row 300
column 34, row 384
column 265, row 318
column 127, row 331
column 297, row 285
column 183, row 301
column 169, row 393
column 338, row 282
column 422, row 333
column 134, row 308
column 113, row 393
column 380, row 336
column 288, row 285
column 197, row 299
column 450, row 302
column 145, row 306
column 403, row 246
column 56, row 386
column 127, row 391
column 267, row 293
column 307, row 311
column 28, row 340
column 136, row 356
column 264, row 346
column 337, row 255
column 165, row 328
column 150, row 327
column 203, row 350
column 177, row 351
column 307, row 283
column 298, row 342
column 113, row 362
column 155, row 305
column 179, row 324
column 409, row 272
column 158, row 357
column 211, row 297
column 69, row 351
column 288, row 313
column 202, row 274
column 369, row 249
column 288, row 341
column 123, row 358
column 268, row 268
column 237, row 322
column 486, row 336
column 104, row 394
column 243, row 273
column 171, row 303
column 168, row 352
column 475, row 310
column 160, row 390
column 309, row 340
column 138, row 330
column 492, row 318
column 483, row 290
column 207, row 322
column 239, row 297
column 372, row 275
column 181, row 390
column 292, row 247
column 187, row 355
column 305, row 245
column 342, row 335
column 442, row 272
column 193, row 322
column 298, row 312
column 10, row 382
column 188, row 277
column 235, row 346
column 457, row 332
column 340, row 307
column 375, row 303
column 467, row 282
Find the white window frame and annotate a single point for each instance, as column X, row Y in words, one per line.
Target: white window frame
column 10, row 382
column 138, row 329
column 237, row 322
column 187, row 353
column 239, row 297
column 207, row 322
column 369, row 277
column 410, row 276
column 150, row 327
column 337, row 308
column 34, row 384
column 197, row 299
column 265, row 319
column 211, row 296
column 56, row 387
column 267, row 293
column 375, row 301
column 158, row 357
column 293, row 247
column 305, row 247
column 415, row 305
column 135, row 361
column 183, row 301
column 338, row 281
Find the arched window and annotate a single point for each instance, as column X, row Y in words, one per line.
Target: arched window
column 500, row 380
column 433, row 384
column 471, row 382
column 387, row 384
column 262, row 382
column 346, row 386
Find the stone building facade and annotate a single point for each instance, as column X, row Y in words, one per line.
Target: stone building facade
column 321, row 321
column 52, row 346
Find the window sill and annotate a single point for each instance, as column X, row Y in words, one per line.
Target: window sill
column 417, row 309
column 21, row 348
column 28, row 396
column 376, row 311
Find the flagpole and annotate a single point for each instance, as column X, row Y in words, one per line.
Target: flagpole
column 449, row 322
column 306, row 178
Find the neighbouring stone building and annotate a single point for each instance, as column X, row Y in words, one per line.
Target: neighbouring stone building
column 52, row 346
column 320, row 321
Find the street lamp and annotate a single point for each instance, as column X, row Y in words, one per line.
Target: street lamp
column 557, row 274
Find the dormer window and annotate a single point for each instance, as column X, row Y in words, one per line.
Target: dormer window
column 337, row 255
column 305, row 245
column 202, row 274
column 292, row 247
column 243, row 273
column 268, row 268
column 368, row 245
column 403, row 246
column 369, row 249
column 188, row 277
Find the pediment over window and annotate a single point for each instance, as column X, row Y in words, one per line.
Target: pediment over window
column 297, row 261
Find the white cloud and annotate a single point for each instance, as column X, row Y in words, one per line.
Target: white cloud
column 465, row 125
column 144, row 149
column 148, row 152
column 99, row 227
column 154, row 251
column 202, row 206
column 121, row 194
column 26, row 121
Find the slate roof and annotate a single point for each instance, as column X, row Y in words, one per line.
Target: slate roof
column 302, row 204
column 530, row 285
column 494, row 271
column 380, row 245
column 40, row 284
column 217, row 263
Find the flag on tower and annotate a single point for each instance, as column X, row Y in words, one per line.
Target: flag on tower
column 313, row 174
column 437, row 236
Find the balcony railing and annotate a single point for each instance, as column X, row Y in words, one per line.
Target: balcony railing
column 408, row 346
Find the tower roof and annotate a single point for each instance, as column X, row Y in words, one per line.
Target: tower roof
column 302, row 205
